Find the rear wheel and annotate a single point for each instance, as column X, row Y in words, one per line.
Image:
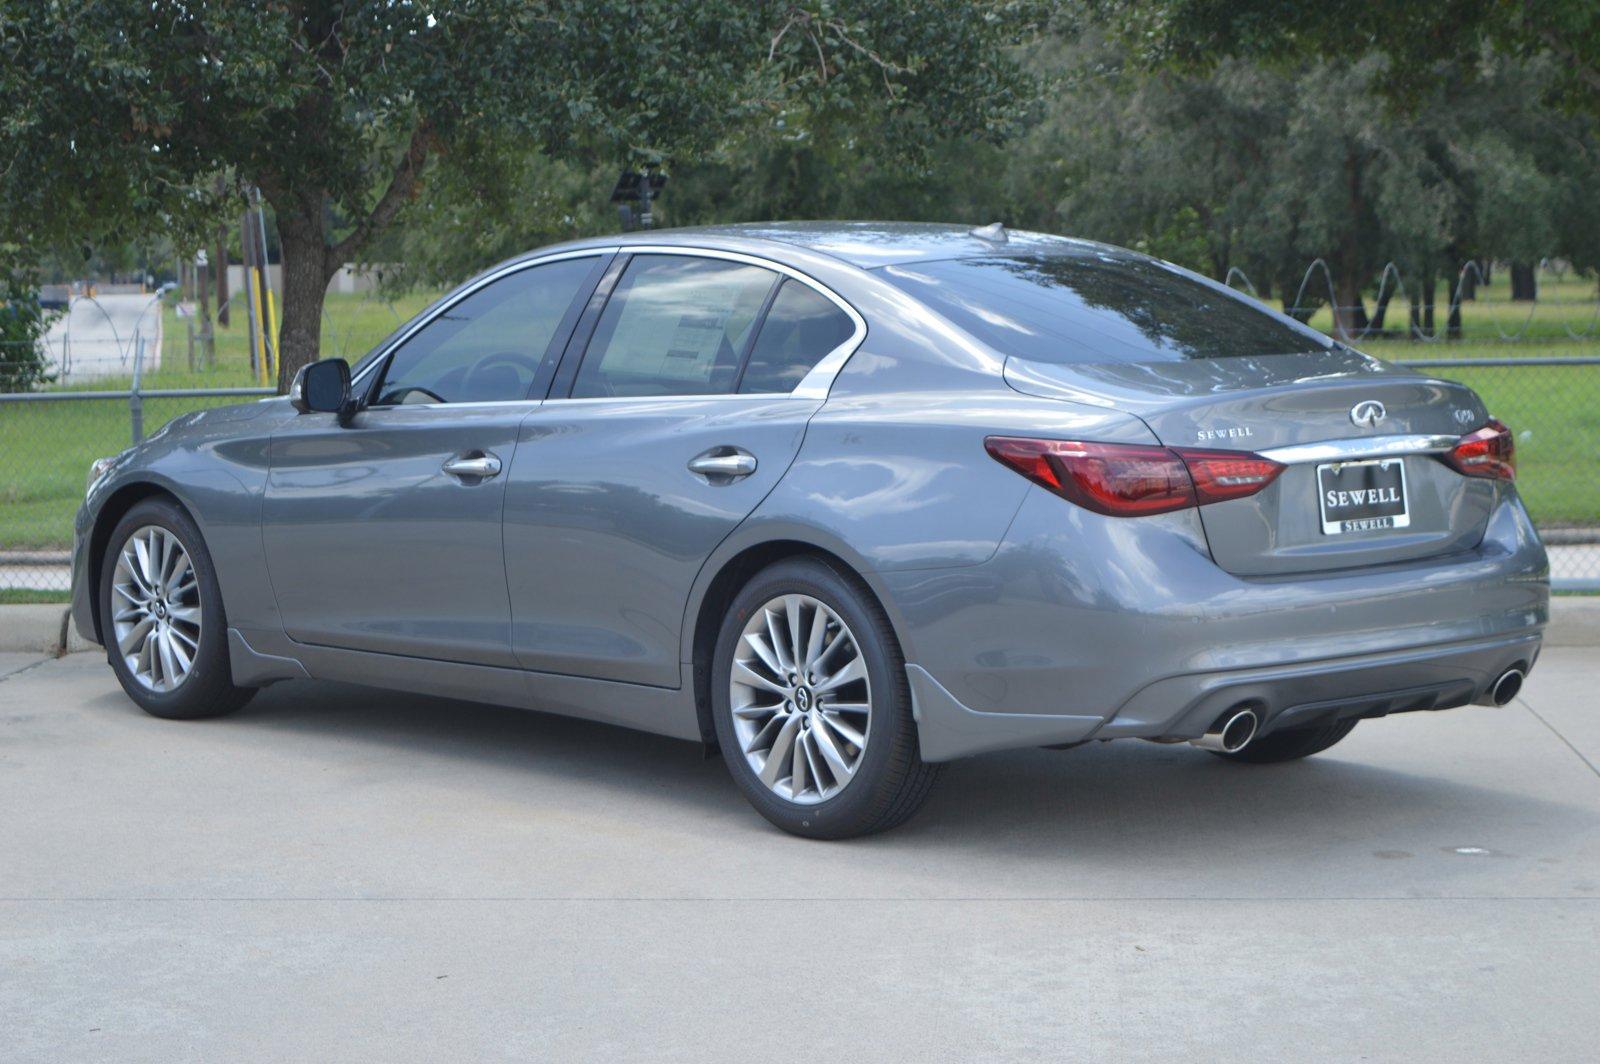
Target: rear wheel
column 1290, row 744
column 811, row 704
column 161, row 616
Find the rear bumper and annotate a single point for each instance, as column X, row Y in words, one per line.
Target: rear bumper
column 1084, row 627
column 1183, row 707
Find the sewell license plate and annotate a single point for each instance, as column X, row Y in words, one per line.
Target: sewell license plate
column 1362, row 496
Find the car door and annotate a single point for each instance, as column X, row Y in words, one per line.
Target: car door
column 678, row 406
column 383, row 533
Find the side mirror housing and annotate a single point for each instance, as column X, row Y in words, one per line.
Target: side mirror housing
column 323, row 388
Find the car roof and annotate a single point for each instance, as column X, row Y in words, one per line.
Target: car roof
column 862, row 244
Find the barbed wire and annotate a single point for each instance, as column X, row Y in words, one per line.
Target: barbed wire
column 1391, row 282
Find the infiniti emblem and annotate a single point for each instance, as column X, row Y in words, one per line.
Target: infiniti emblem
column 1368, row 413
column 802, row 699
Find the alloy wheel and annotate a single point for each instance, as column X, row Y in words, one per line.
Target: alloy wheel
column 155, row 604
column 801, row 699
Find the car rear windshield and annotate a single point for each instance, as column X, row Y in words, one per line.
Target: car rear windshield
column 1089, row 307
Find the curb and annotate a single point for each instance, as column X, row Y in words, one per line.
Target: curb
column 48, row 629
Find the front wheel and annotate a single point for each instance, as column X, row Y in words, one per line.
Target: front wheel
column 811, row 704
column 161, row 616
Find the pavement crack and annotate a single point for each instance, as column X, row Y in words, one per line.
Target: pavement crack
column 1565, row 741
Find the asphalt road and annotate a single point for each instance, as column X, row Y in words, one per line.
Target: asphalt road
column 339, row 874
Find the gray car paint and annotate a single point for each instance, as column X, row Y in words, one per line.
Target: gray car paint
column 1023, row 619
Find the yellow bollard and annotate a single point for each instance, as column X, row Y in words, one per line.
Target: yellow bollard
column 255, row 307
column 272, row 331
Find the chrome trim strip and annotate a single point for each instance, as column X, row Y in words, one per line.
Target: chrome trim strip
column 1350, row 450
column 816, row 383
column 379, row 354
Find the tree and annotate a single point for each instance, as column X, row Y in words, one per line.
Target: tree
column 1418, row 36
column 121, row 115
column 23, row 324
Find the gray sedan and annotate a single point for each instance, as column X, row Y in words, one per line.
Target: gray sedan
column 844, row 501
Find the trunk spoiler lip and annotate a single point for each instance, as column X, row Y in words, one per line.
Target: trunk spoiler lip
column 1356, row 448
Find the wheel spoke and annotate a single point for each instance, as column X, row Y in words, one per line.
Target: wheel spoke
column 841, row 769
column 744, row 674
column 797, row 766
column 758, row 643
column 785, row 662
column 135, row 635
column 791, row 610
column 193, row 641
column 852, row 671
column 819, row 628
column 850, row 734
column 778, row 756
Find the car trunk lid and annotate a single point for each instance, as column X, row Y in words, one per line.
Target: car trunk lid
column 1303, row 410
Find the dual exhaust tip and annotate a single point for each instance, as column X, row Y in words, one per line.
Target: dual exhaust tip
column 1504, row 688
column 1234, row 730
column 1231, row 733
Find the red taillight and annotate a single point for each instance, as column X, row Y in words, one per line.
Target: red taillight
column 1488, row 452
column 1132, row 480
column 1221, row 475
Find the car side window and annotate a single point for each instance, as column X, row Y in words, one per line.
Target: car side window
column 676, row 325
column 488, row 347
column 802, row 326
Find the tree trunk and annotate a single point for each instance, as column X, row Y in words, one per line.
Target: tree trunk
column 219, row 270
column 1524, row 284
column 1381, row 309
column 208, row 351
column 1453, row 324
column 305, row 285
column 1350, row 313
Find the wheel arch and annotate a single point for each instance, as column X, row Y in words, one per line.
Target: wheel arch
column 722, row 580
column 113, row 510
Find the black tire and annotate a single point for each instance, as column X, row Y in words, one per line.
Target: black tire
column 891, row 781
column 207, row 690
column 1290, row 744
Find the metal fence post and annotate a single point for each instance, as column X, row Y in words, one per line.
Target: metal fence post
column 135, row 400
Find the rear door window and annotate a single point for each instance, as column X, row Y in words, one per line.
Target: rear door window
column 676, row 325
column 1085, row 307
column 802, row 327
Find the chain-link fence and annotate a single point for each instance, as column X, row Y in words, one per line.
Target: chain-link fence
column 49, row 436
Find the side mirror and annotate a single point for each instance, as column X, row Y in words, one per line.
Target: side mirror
column 323, row 388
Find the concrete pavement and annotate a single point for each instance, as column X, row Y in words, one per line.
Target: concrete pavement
column 96, row 336
column 342, row 874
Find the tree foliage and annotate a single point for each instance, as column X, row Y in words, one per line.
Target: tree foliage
column 118, row 115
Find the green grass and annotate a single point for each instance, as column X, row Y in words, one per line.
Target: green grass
column 1568, row 310
column 46, row 448
column 13, row 596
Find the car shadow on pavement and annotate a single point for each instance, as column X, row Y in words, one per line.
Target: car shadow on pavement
column 1173, row 808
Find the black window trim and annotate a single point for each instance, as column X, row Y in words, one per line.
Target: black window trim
column 814, row 385
column 376, row 367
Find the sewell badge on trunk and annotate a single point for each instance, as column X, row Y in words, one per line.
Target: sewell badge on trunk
column 1362, row 496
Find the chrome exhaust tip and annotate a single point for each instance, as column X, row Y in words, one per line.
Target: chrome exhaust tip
column 1506, row 687
column 1231, row 733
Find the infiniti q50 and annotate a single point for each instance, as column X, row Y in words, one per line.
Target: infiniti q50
column 844, row 501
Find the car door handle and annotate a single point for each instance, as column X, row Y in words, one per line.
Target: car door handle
column 723, row 463
column 477, row 465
